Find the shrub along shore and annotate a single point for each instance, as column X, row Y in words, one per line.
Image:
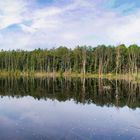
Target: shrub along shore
column 17, row 74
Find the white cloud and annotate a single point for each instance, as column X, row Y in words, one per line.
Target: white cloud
column 78, row 22
column 11, row 12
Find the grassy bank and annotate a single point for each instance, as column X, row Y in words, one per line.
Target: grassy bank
column 66, row 74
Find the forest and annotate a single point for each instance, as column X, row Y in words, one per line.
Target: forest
column 82, row 59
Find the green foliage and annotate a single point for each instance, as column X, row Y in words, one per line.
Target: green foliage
column 83, row 59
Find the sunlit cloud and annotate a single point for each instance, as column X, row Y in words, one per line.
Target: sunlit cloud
column 29, row 25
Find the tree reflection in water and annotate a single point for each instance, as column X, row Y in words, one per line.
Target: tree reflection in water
column 99, row 91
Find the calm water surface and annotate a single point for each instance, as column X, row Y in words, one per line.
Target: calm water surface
column 69, row 109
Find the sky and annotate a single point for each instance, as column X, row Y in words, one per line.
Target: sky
column 31, row 24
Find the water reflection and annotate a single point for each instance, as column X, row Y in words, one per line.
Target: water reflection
column 71, row 108
column 86, row 91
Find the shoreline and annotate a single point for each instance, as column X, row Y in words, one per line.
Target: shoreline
column 126, row 76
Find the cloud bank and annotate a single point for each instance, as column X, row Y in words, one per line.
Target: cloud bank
column 42, row 24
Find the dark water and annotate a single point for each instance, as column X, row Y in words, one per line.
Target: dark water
column 69, row 109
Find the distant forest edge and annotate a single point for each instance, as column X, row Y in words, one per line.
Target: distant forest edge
column 83, row 60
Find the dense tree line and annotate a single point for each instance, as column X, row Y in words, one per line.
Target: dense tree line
column 83, row 59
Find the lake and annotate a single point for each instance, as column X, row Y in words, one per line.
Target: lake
column 69, row 109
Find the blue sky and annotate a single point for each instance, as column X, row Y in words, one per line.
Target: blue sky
column 50, row 23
